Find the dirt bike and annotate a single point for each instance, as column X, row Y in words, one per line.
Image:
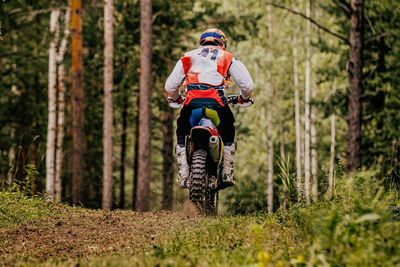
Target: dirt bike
column 204, row 153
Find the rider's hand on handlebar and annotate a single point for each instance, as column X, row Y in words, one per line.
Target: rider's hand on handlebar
column 241, row 100
column 179, row 100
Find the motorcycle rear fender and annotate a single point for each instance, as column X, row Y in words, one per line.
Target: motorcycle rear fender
column 200, row 137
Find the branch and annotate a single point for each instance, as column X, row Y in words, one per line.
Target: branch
column 345, row 6
column 311, row 20
column 33, row 13
column 381, row 35
column 370, row 24
column 331, row 92
column 221, row 20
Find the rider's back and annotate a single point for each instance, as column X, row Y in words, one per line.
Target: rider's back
column 206, row 65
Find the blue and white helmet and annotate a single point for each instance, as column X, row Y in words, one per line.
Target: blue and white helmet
column 214, row 36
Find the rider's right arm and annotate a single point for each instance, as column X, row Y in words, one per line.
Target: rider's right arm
column 242, row 77
column 175, row 80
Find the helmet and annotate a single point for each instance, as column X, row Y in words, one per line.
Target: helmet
column 214, row 36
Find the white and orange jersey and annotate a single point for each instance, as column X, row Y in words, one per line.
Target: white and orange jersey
column 206, row 65
column 209, row 65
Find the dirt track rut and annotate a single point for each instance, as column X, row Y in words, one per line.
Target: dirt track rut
column 82, row 233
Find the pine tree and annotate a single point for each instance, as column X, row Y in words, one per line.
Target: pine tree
column 77, row 102
column 144, row 146
column 355, row 81
column 108, row 105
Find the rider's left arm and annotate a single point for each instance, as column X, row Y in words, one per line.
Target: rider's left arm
column 242, row 77
column 175, row 80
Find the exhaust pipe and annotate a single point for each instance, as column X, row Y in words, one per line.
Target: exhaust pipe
column 215, row 148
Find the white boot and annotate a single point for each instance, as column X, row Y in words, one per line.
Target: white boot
column 227, row 170
column 183, row 172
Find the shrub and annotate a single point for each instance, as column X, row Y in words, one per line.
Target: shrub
column 359, row 227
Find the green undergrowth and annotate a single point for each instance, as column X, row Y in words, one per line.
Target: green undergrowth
column 17, row 209
column 220, row 241
column 359, row 227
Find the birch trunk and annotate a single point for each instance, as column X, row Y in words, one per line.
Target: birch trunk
column 307, row 108
column 314, row 155
column 61, row 107
column 282, row 155
column 297, row 119
column 144, row 161
column 52, row 108
column 108, row 104
column 270, row 95
column 77, row 102
column 314, row 159
column 332, row 159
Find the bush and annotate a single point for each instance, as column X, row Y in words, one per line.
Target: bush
column 359, row 227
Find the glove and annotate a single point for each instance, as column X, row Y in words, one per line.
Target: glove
column 241, row 100
column 179, row 100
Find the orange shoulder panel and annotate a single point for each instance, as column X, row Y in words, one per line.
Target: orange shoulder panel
column 187, row 64
column 224, row 63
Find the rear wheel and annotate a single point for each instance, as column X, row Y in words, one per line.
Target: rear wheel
column 199, row 191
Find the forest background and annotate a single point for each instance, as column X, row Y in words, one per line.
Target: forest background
column 287, row 148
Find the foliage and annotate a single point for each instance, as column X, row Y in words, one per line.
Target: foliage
column 17, row 209
column 288, row 180
column 360, row 227
column 247, row 197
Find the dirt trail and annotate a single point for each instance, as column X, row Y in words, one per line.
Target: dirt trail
column 82, row 233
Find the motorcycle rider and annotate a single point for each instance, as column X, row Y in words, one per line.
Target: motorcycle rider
column 205, row 73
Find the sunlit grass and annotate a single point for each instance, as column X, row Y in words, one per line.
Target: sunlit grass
column 359, row 227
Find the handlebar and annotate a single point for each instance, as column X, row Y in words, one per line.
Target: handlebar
column 232, row 99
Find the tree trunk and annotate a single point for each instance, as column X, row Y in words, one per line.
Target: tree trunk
column 144, row 164
column 108, row 105
column 283, row 160
column 36, row 139
column 136, row 161
column 332, row 159
column 270, row 95
column 35, row 162
column 77, row 102
column 168, row 163
column 297, row 119
column 11, row 160
column 307, row 107
column 314, row 159
column 313, row 118
column 123, row 152
column 52, row 108
column 61, row 108
column 355, row 86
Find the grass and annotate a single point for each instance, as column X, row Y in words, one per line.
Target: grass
column 226, row 241
column 360, row 227
column 17, row 209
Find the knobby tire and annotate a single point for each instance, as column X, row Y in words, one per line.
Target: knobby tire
column 199, row 192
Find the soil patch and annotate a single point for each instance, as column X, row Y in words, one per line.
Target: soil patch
column 83, row 233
